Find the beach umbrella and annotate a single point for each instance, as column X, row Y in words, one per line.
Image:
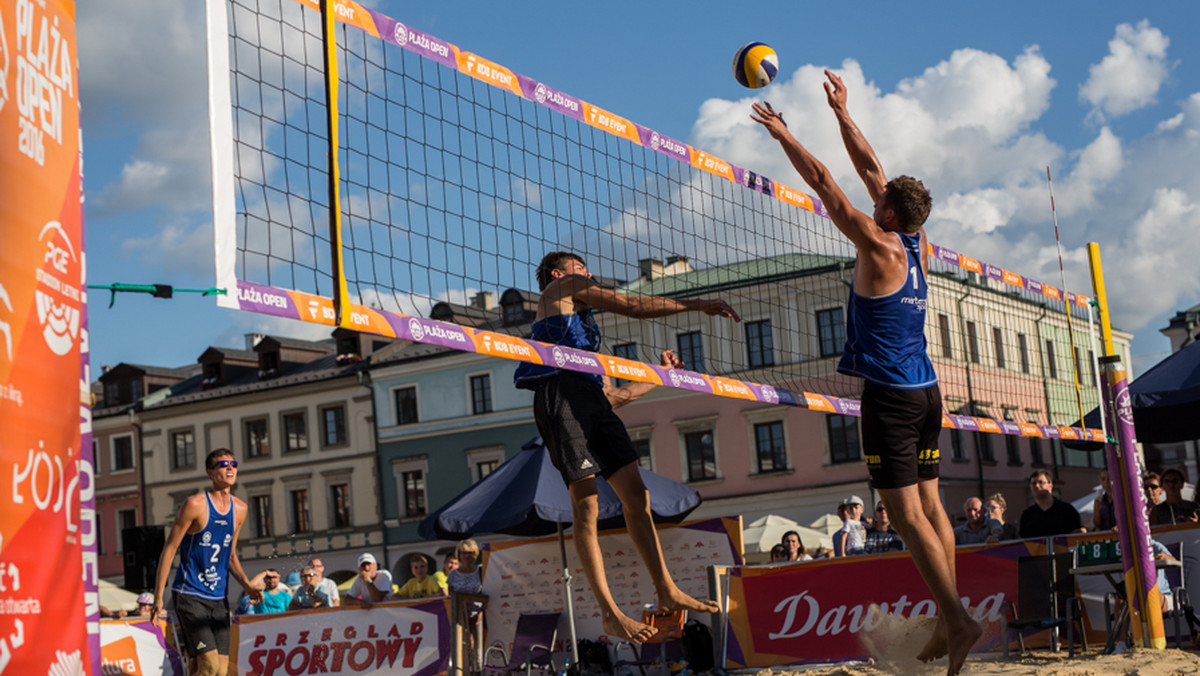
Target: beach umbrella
column 526, row 496
column 115, row 598
column 763, row 534
column 828, row 523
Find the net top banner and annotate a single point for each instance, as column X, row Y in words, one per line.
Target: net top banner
column 495, row 74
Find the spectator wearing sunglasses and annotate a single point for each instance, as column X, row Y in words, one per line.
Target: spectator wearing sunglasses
column 1174, row 510
column 310, row 594
column 979, row 526
column 881, row 537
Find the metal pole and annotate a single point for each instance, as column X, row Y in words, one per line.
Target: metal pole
column 566, row 578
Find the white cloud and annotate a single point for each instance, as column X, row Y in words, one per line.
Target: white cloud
column 177, row 248
column 1129, row 77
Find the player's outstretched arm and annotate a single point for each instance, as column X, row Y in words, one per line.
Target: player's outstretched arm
column 632, row 391
column 586, row 290
column 866, row 163
column 856, row 225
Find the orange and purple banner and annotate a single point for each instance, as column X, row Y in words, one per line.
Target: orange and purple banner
column 47, row 622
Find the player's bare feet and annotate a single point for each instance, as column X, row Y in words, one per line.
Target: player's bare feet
column 677, row 600
column 625, row 628
column 960, row 639
column 935, row 648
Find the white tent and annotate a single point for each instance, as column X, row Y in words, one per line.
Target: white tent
column 828, row 523
column 114, row 598
column 764, row 533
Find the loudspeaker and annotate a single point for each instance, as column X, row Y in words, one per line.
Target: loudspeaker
column 142, row 545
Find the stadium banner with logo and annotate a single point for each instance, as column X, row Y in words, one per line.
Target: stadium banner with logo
column 135, row 647
column 48, row 624
column 525, row 576
column 409, row 638
column 861, row 606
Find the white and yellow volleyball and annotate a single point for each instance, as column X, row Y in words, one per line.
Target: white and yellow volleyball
column 755, row 65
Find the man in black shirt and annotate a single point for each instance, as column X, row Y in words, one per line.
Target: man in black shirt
column 1048, row 515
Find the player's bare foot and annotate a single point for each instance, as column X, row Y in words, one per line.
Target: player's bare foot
column 677, row 600
column 935, row 648
column 960, row 639
column 625, row 628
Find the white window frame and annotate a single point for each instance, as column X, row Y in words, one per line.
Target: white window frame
column 686, row 426
column 339, row 476
column 644, row 433
column 393, row 413
column 759, row 416
column 298, row 482
column 399, row 467
column 256, row 489
column 121, row 529
column 478, row 455
column 112, row 453
column 470, row 409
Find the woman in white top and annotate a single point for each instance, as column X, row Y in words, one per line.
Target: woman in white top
column 466, row 577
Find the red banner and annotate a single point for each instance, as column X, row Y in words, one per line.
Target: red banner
column 43, row 387
column 824, row 611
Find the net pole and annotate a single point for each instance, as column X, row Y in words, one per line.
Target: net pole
column 1066, row 299
column 1096, row 354
column 329, row 39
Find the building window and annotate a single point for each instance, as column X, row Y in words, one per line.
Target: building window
column 481, row 394
column 944, row 334
column 760, row 349
column 1091, row 367
column 998, row 343
column 983, row 440
column 122, row 453
column 260, row 507
column 268, row 363
column 831, row 328
column 100, row 533
column 333, row 426
column 406, row 405
column 136, row 386
column 112, row 394
column 183, row 449
column 484, row 461
column 1023, row 348
column 339, row 505
column 624, row 351
column 413, row 482
column 513, row 314
column 1051, row 366
column 486, row 467
column 300, row 513
column 957, row 450
column 258, row 444
column 691, row 351
column 701, row 455
column 1035, row 452
column 843, row 439
column 126, row 518
column 295, row 432
column 772, row 452
column 1013, row 445
column 642, row 446
column 972, row 343
column 1078, row 365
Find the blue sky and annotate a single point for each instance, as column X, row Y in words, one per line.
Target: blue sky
column 974, row 98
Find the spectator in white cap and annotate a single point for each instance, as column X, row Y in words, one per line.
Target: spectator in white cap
column 373, row 584
column 851, row 539
column 145, row 605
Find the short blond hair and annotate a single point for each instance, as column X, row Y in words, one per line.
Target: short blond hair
column 467, row 545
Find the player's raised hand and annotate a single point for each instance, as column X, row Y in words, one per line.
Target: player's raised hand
column 670, row 360
column 765, row 115
column 716, row 307
column 835, row 91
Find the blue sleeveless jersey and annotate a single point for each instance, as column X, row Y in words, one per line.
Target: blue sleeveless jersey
column 885, row 335
column 204, row 556
column 577, row 330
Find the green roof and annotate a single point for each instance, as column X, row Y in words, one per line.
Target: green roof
column 733, row 275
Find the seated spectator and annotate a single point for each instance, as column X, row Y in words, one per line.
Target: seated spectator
column 1153, row 488
column 373, row 584
column 1104, row 513
column 1174, row 509
column 450, row 563
column 323, row 583
column 979, row 527
column 275, row 597
column 145, row 606
column 881, row 537
column 421, row 584
column 1048, row 515
column 779, row 554
column 794, row 546
column 310, row 594
column 851, row 539
column 996, row 506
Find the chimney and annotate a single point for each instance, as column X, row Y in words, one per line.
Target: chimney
column 253, row 339
column 651, row 268
column 484, row 300
column 677, row 264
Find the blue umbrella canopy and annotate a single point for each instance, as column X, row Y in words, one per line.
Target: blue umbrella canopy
column 526, row 496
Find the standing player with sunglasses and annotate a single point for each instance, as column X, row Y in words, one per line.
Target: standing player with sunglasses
column 205, row 533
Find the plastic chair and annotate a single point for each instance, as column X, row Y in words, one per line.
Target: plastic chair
column 1181, row 608
column 1046, row 600
column 664, row 647
column 533, row 645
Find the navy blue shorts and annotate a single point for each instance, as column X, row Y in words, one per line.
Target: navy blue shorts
column 900, row 430
column 584, row 435
column 203, row 623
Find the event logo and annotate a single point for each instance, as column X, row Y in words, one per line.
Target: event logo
column 416, row 329
column 119, row 658
column 655, row 140
column 560, row 359
column 1125, row 406
column 675, row 378
column 400, row 32
column 802, row 613
column 769, row 394
column 57, row 297
column 539, row 94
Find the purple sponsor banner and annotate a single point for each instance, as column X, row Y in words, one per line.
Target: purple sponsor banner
column 756, row 182
column 819, row 208
column 550, row 97
column 964, row 422
column 944, row 254
column 686, row 380
column 1050, row 432
column 992, row 271
column 431, row 332
column 664, row 144
column 847, row 406
column 1009, row 427
column 765, row 393
column 568, row 358
column 267, row 300
column 415, row 41
column 1032, row 284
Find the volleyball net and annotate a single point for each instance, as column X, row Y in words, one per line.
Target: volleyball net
column 455, row 175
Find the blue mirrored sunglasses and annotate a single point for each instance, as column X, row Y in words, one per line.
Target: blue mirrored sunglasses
column 222, row 464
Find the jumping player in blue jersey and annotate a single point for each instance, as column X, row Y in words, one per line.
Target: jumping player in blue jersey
column 574, row 413
column 205, row 533
column 885, row 346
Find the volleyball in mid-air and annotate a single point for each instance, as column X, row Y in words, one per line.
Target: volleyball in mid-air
column 755, row 65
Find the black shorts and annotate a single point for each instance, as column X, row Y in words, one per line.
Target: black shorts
column 900, row 430
column 203, row 623
column 579, row 427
